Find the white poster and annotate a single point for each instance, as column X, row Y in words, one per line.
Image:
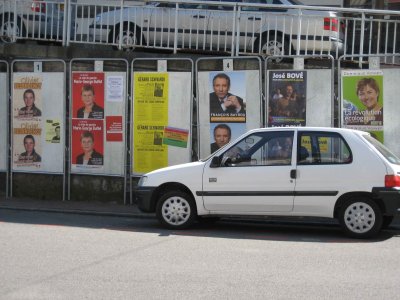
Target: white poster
column 38, row 129
column 3, row 121
column 98, row 123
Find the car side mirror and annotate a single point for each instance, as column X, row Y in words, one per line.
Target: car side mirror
column 215, row 162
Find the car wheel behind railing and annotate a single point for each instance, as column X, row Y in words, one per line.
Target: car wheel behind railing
column 8, row 28
column 130, row 38
column 273, row 45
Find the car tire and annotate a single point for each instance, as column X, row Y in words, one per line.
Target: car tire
column 387, row 220
column 130, row 37
column 360, row 217
column 7, row 26
column 176, row 210
column 274, row 45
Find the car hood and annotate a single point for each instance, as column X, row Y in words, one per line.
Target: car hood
column 184, row 173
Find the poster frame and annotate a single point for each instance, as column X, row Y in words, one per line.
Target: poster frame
column 7, row 139
column 11, row 141
column 235, row 60
column 360, row 67
column 96, row 65
column 158, row 64
column 299, row 67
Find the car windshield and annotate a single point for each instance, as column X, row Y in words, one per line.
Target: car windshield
column 389, row 155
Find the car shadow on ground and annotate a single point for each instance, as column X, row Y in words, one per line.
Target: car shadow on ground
column 269, row 230
column 278, row 231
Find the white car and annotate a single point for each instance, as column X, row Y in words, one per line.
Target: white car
column 32, row 19
column 211, row 26
column 294, row 171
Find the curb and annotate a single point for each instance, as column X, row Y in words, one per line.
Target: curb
column 82, row 212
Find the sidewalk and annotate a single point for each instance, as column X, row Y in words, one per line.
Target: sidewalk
column 77, row 207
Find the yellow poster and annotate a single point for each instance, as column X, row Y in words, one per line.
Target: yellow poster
column 149, row 119
column 323, row 144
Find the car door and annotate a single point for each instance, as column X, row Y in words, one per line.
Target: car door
column 324, row 168
column 189, row 22
column 252, row 176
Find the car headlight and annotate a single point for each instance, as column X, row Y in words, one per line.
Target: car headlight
column 142, row 181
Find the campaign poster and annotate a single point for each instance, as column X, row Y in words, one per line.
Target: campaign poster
column 114, row 129
column 97, row 123
column 227, row 97
column 3, row 121
column 177, row 137
column 222, row 133
column 87, row 144
column 27, row 122
column 88, row 95
column 362, row 101
column 37, row 122
column 150, row 117
column 53, row 131
column 287, row 98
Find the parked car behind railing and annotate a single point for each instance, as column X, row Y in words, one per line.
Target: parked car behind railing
column 243, row 27
column 39, row 20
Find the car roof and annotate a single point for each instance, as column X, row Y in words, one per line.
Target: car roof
column 308, row 128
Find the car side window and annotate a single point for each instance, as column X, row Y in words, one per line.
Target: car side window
column 315, row 148
column 261, row 149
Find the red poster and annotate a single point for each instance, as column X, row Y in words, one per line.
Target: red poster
column 87, row 142
column 114, row 129
column 88, row 95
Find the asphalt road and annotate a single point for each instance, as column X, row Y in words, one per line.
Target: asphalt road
column 68, row 256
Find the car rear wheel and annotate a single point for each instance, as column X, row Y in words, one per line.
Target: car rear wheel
column 176, row 210
column 360, row 218
column 274, row 45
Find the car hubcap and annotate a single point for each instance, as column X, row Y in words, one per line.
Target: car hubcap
column 359, row 217
column 176, row 210
column 7, row 31
column 273, row 48
column 128, row 40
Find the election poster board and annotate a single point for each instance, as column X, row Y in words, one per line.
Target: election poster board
column 161, row 115
column 37, row 113
column 229, row 105
column 287, row 98
column 3, row 121
column 98, row 112
column 362, row 101
column 392, row 109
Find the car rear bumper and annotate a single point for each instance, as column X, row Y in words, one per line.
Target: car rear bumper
column 144, row 198
column 390, row 198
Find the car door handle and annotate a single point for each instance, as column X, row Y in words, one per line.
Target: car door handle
column 293, row 174
column 199, row 17
column 253, row 19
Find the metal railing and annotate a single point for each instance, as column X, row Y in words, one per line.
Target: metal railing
column 207, row 26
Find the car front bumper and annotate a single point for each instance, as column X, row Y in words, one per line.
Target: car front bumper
column 144, row 198
column 390, row 198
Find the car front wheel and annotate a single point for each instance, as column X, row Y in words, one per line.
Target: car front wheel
column 9, row 29
column 361, row 218
column 176, row 210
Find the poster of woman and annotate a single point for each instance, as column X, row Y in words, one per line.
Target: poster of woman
column 362, row 100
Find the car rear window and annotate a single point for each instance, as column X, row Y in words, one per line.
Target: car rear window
column 389, row 155
column 316, row 148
